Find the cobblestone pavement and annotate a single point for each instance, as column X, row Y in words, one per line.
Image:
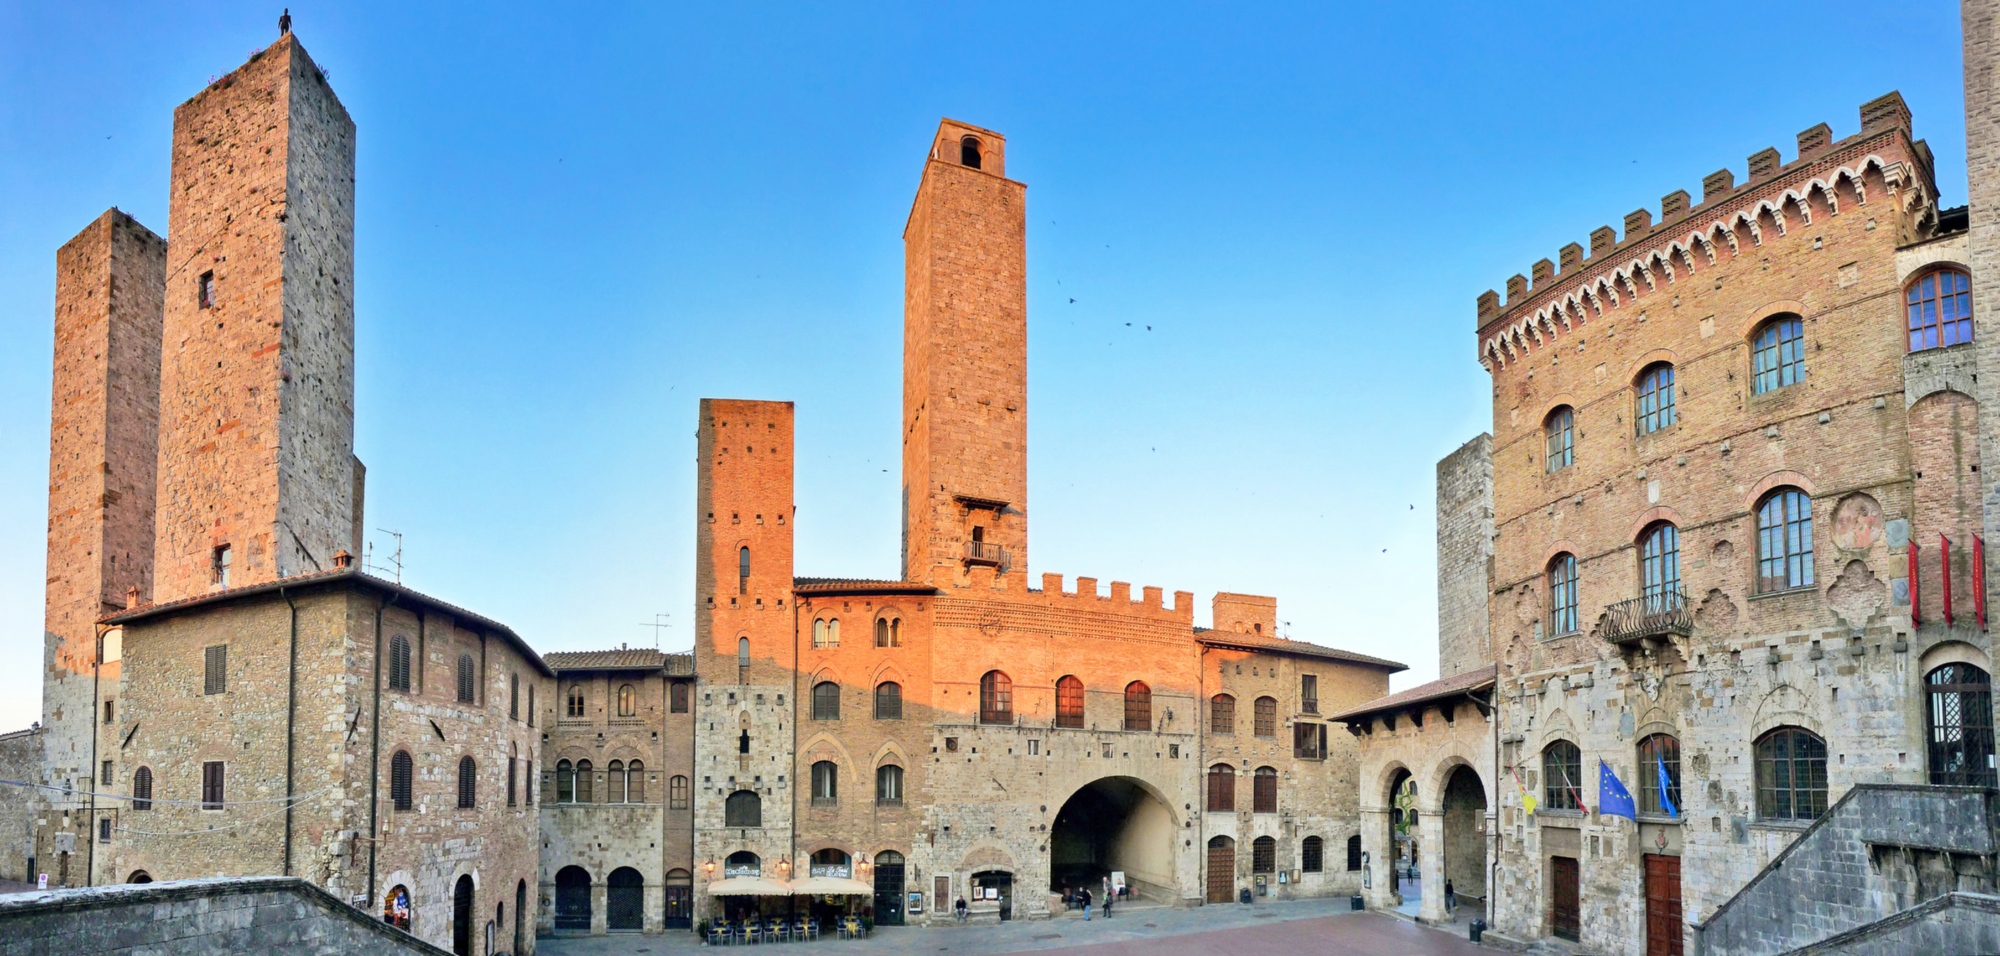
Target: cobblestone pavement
column 1318, row 927
column 15, row 886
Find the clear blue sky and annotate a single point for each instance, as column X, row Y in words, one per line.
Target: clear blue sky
column 576, row 223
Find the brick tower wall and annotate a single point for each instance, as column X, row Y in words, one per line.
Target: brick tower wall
column 965, row 363
column 743, row 488
column 1981, row 29
column 102, row 438
column 257, row 385
column 1465, row 556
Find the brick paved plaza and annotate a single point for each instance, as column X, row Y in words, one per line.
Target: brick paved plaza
column 1288, row 928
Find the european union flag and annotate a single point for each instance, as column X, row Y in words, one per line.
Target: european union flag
column 1613, row 800
column 1666, row 787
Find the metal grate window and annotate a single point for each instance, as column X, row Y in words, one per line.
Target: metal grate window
column 1960, row 698
column 1656, row 399
column 1784, row 541
column 1138, row 706
column 1791, row 775
column 1222, row 714
column 1940, row 310
column 1264, row 855
column 215, row 669
column 1312, row 855
column 1778, row 356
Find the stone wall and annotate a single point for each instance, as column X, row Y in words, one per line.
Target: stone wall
column 1954, row 923
column 20, row 760
column 1980, row 26
column 1465, row 556
column 196, row 918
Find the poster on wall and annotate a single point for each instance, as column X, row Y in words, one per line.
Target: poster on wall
column 1118, row 882
column 916, row 903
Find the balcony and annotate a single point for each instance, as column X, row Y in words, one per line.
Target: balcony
column 987, row 553
column 1651, row 618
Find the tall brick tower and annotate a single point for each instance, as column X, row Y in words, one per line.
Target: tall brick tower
column 744, row 645
column 256, row 463
column 103, row 432
column 965, row 363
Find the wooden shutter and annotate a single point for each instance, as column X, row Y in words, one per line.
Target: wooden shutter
column 215, row 669
column 211, row 785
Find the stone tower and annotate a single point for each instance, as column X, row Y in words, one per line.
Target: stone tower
column 965, row 363
column 103, row 432
column 745, row 647
column 256, row 462
column 1465, row 556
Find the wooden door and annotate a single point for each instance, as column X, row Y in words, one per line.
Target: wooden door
column 1663, row 905
column 1221, row 870
column 680, row 906
column 1564, row 912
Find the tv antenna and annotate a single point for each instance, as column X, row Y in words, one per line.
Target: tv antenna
column 658, row 623
column 395, row 565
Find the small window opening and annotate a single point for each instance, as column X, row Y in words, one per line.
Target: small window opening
column 743, row 570
column 219, row 566
column 204, row 290
column 968, row 153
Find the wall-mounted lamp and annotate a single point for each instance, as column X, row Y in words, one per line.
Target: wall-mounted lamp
column 784, row 864
column 708, row 868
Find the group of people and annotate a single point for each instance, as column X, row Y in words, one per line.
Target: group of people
column 1081, row 897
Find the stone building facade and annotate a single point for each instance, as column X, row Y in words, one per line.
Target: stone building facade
column 617, row 818
column 1735, row 464
column 961, row 732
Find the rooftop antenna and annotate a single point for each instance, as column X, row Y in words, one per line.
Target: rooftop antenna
column 395, row 565
column 657, row 624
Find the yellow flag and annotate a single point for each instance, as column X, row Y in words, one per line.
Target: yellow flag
column 1528, row 800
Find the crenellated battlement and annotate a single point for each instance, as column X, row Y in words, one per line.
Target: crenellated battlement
column 1085, row 596
column 1775, row 201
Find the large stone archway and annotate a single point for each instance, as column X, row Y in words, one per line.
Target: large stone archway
column 1116, row 824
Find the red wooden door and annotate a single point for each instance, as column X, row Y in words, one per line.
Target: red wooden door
column 1564, row 912
column 1221, row 870
column 1663, row 905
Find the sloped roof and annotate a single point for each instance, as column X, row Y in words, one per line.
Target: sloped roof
column 858, row 586
column 350, row 574
column 1453, row 686
column 1259, row 642
column 620, row 659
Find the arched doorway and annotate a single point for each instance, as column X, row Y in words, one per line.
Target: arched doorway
column 139, row 876
column 888, row 888
column 573, row 898
column 520, row 916
column 680, row 900
column 996, row 885
column 396, row 907
column 1221, row 869
column 461, row 917
column 625, row 900
column 1115, row 824
column 1464, row 846
column 1402, row 802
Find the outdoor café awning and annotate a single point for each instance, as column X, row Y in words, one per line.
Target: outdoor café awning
column 830, row 886
column 749, row 886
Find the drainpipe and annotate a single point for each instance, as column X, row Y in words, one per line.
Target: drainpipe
column 1201, row 771
column 291, row 710
column 375, row 749
column 96, row 728
column 1493, row 833
column 795, row 737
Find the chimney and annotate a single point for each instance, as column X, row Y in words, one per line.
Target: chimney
column 341, row 559
column 131, row 597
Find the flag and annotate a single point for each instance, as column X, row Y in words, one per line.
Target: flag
column 1666, row 786
column 1527, row 799
column 1613, row 800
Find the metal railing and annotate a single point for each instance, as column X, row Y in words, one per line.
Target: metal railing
column 1648, row 617
column 985, row 552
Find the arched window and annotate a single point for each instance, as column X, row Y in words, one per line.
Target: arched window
column 1138, row 706
column 742, row 863
column 743, row 652
column 142, row 788
column 1656, row 398
column 1222, row 787
column 677, row 793
column 1264, row 791
column 1784, row 541
column 888, row 701
column 565, row 782
column 614, row 782
column 1562, row 776
column 574, row 707
column 996, row 698
column 1940, row 309
column 888, row 785
column 468, row 683
column 888, row 632
column 831, row 862
column 1222, row 714
column 1069, row 702
column 1660, row 568
column 826, row 784
column 628, row 701
column 513, row 762
column 1264, row 855
column 1659, row 773
column 1266, row 717
column 743, row 809
column 514, row 696
column 1312, row 855
column 743, row 570
column 968, row 152
column 468, row 783
column 1560, row 434
column 826, row 701
column 528, row 782
column 396, row 908
column 1354, row 853
column 1778, row 354
column 586, row 782
column 635, row 782
column 1562, row 595
column 402, row 771
column 1791, row 775
column 1960, row 699
column 819, row 633
column 399, row 663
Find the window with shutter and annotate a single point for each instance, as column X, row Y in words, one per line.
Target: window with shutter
column 679, row 695
column 468, row 777
column 399, row 663
column 677, row 793
column 1222, row 714
column 1222, row 787
column 1266, row 717
column 211, row 785
column 1264, row 794
column 401, row 772
column 467, row 683
column 215, row 669
column 142, row 789
column 510, row 781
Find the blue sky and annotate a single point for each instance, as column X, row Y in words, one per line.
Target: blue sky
column 576, row 222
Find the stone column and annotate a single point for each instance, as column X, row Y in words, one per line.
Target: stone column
column 1375, row 844
column 1430, row 864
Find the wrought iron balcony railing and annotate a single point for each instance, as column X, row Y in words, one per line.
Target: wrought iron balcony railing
column 1652, row 617
column 985, row 552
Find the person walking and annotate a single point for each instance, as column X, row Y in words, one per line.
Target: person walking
column 1108, row 897
column 1085, row 893
column 1450, row 900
